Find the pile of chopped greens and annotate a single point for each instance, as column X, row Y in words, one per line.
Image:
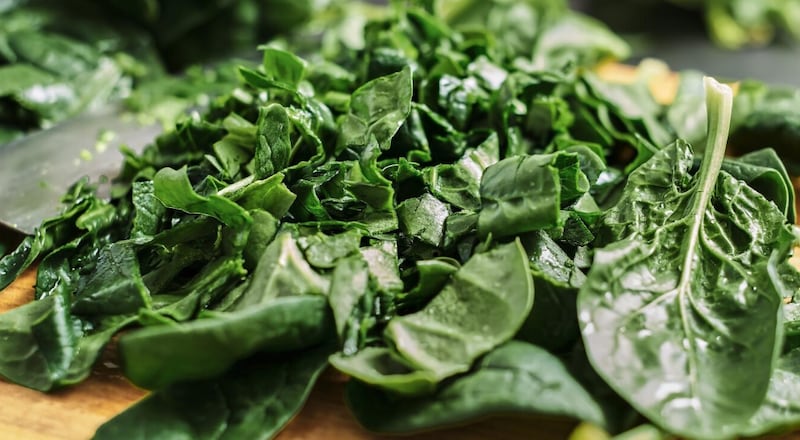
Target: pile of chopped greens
column 453, row 210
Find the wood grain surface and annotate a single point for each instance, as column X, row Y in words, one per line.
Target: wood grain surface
column 74, row 413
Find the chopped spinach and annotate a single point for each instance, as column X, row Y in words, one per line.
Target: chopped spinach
column 449, row 207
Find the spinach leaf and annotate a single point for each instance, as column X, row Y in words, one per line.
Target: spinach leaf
column 263, row 231
column 323, row 251
column 254, row 399
column 444, row 338
column 155, row 357
column 349, row 283
column 423, row 218
column 687, row 115
column 274, row 146
column 767, row 117
column 763, row 171
column 525, row 193
column 459, row 183
column 149, row 211
column 281, row 271
column 31, row 352
column 53, row 233
column 173, row 189
column 574, row 38
column 431, row 275
column 668, row 305
column 115, row 287
column 408, row 186
column 513, row 378
column 383, row 263
column 270, row 195
column 343, row 191
column 283, row 67
column 553, row 322
column 382, row 367
column 779, row 411
column 377, row 109
column 46, row 346
column 206, row 287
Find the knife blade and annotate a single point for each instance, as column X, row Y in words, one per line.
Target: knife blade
column 37, row 170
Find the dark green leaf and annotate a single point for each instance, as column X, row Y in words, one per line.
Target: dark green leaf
column 444, row 338
column 516, row 378
column 377, row 109
column 383, row 368
column 669, row 306
column 423, row 218
column 282, row 270
column 254, row 400
column 155, row 357
column 525, row 193
column 115, row 287
column 173, row 189
column 274, row 146
column 283, row 67
column 149, row 211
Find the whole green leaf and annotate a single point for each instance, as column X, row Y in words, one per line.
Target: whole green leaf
column 515, row 378
column 687, row 288
column 444, row 338
column 253, row 400
column 154, row 357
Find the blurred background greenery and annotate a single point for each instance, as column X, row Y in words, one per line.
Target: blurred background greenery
column 728, row 38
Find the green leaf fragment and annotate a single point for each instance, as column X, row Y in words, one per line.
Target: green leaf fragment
column 444, row 338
